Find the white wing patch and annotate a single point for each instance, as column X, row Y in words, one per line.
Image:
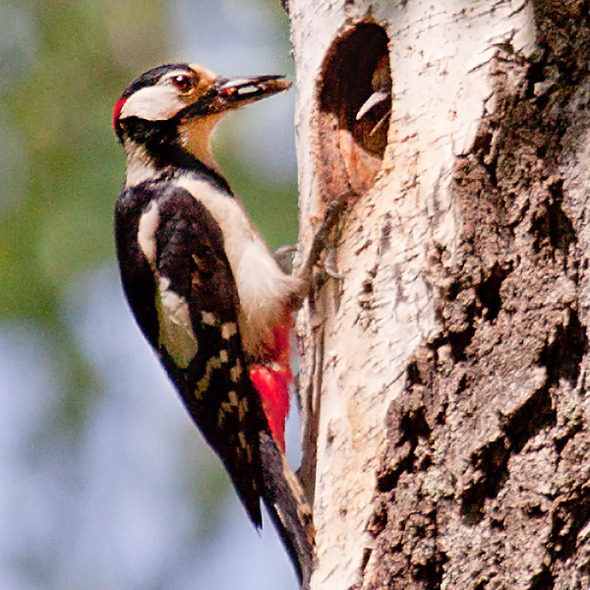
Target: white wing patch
column 146, row 232
column 209, row 318
column 229, row 329
column 176, row 331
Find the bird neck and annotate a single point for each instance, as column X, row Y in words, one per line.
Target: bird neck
column 151, row 163
column 195, row 137
column 169, row 143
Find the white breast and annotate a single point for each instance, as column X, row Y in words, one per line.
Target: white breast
column 263, row 288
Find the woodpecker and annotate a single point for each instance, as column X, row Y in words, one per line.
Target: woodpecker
column 204, row 288
column 381, row 85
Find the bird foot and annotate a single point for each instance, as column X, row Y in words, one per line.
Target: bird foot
column 281, row 256
column 325, row 240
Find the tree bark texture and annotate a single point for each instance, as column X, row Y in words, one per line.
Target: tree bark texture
column 444, row 376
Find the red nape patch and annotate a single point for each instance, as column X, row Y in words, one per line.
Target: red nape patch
column 117, row 111
column 383, row 62
column 272, row 385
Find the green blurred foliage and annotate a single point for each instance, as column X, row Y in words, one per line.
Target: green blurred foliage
column 64, row 71
column 62, row 224
column 63, row 63
column 60, row 108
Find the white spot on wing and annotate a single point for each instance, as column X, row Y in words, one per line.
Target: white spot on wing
column 242, row 438
column 228, row 330
column 209, row 318
column 212, row 364
column 236, row 372
column 223, row 410
column 242, row 408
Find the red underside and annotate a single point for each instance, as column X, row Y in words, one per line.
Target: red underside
column 272, row 380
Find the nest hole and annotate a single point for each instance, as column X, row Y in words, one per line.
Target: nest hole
column 355, row 103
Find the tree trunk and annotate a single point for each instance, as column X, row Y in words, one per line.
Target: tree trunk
column 446, row 421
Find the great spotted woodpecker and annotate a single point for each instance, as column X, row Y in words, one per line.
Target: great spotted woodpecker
column 204, row 288
column 381, row 85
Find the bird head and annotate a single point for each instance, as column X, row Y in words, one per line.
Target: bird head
column 180, row 104
column 381, row 84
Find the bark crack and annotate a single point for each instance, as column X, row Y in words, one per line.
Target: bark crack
column 488, row 446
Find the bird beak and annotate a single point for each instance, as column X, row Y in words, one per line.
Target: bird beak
column 237, row 92
column 225, row 95
column 373, row 100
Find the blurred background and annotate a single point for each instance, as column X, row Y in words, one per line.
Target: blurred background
column 104, row 481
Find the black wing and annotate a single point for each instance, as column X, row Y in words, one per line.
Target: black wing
column 190, row 277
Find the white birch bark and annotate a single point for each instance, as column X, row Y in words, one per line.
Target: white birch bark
column 440, row 57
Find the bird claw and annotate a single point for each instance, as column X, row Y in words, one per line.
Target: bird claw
column 281, row 256
column 324, row 241
column 330, row 267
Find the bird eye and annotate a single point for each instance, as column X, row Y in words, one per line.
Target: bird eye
column 183, row 83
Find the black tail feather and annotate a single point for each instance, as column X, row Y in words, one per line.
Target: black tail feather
column 288, row 508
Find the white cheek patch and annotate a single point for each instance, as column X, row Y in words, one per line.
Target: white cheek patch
column 153, row 103
column 176, row 331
